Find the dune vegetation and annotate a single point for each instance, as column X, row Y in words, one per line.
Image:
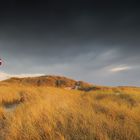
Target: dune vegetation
column 52, row 113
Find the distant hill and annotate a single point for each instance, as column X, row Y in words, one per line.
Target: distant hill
column 54, row 81
column 63, row 82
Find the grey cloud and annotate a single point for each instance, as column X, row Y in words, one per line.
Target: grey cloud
column 82, row 44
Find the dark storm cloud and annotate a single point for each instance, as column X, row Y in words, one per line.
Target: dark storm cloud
column 72, row 38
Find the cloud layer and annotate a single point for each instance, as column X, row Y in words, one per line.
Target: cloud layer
column 120, row 68
column 90, row 41
column 4, row 76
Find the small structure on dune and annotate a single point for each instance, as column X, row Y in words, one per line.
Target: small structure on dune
column 77, row 85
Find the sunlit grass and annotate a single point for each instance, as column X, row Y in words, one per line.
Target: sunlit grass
column 48, row 113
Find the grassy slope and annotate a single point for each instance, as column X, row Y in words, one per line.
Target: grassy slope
column 49, row 113
column 49, row 80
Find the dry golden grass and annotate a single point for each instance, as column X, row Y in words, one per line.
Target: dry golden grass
column 49, row 80
column 48, row 113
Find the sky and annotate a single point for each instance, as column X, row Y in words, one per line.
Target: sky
column 94, row 41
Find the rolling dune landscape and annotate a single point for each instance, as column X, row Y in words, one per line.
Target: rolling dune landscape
column 29, row 111
column 69, row 70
